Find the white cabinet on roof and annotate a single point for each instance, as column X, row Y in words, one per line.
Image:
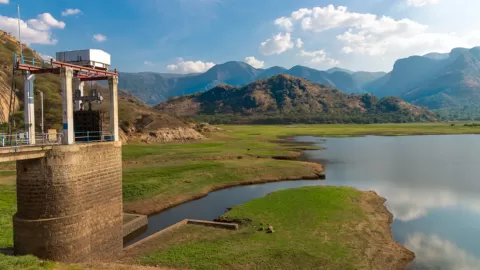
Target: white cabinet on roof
column 89, row 58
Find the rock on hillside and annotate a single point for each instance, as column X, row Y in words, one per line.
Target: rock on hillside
column 293, row 100
column 140, row 122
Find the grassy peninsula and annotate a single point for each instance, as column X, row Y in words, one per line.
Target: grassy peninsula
column 332, row 227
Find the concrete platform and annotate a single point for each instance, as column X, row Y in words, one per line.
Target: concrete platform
column 22, row 153
column 133, row 222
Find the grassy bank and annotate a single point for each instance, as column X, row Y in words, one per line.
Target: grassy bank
column 337, row 228
column 159, row 176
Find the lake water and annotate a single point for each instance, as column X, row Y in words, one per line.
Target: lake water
column 431, row 184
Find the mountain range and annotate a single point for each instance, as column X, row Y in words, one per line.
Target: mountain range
column 434, row 80
column 287, row 99
column 155, row 87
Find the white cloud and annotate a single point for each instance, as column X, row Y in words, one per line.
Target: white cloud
column 29, row 35
column 99, row 37
column 190, row 66
column 45, row 22
column 439, row 253
column 421, row 3
column 254, row 62
column 285, row 24
column 4, row 1
column 71, row 11
column 148, row 63
column 368, row 34
column 278, row 44
column 45, row 57
column 299, row 43
column 317, row 57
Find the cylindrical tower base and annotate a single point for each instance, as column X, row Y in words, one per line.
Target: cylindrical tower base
column 65, row 239
column 70, row 204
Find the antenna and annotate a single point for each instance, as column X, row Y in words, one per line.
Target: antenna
column 19, row 37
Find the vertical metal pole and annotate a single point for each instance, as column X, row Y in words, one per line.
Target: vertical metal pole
column 41, row 105
column 78, row 86
column 19, row 36
column 29, row 106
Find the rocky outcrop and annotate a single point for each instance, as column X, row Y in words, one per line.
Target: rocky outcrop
column 181, row 134
column 5, row 89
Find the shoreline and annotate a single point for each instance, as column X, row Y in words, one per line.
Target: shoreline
column 375, row 232
column 299, row 149
column 149, row 208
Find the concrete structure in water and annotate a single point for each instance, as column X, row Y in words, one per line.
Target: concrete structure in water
column 69, row 196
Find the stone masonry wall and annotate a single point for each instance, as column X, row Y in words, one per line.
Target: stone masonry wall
column 70, row 203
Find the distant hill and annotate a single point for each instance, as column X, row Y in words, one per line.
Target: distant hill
column 155, row 87
column 286, row 99
column 434, row 80
column 335, row 69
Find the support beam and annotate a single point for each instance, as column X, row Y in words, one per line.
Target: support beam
column 94, row 78
column 66, row 75
column 29, row 106
column 83, row 69
column 78, row 86
column 113, row 88
column 46, row 70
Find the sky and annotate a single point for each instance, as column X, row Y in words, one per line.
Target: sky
column 184, row 36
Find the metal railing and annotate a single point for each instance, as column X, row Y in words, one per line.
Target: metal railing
column 31, row 61
column 93, row 136
column 23, row 139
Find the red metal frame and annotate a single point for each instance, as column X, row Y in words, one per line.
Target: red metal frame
column 84, row 69
column 84, row 73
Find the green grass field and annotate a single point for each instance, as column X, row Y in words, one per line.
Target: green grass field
column 313, row 226
column 166, row 172
column 156, row 175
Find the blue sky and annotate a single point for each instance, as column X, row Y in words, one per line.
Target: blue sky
column 192, row 35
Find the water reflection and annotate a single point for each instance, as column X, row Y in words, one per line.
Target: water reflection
column 433, row 252
column 431, row 186
column 410, row 204
column 430, row 183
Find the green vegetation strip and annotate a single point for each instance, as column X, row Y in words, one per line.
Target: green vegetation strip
column 302, row 219
column 24, row 263
column 8, row 207
column 179, row 169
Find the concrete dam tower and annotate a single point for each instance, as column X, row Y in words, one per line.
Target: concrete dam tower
column 69, row 196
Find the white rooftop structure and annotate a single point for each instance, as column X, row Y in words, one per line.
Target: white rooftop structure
column 93, row 58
